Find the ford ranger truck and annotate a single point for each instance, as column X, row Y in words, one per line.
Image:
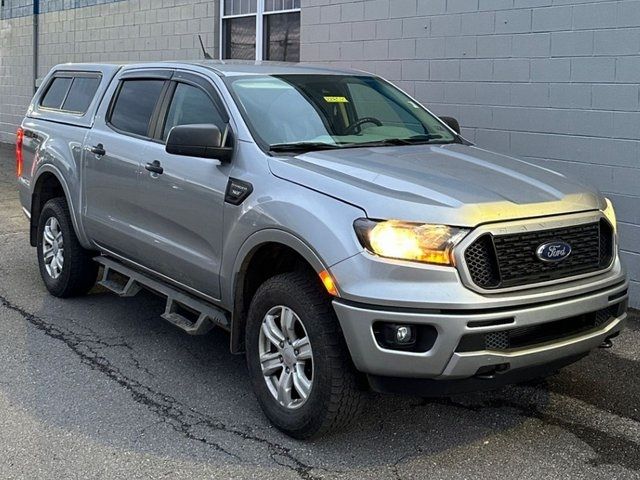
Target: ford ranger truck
column 345, row 237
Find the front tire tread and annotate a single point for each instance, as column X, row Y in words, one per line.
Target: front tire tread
column 339, row 406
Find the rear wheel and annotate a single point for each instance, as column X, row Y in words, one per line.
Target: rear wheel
column 297, row 358
column 66, row 268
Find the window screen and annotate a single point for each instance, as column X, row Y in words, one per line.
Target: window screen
column 240, row 38
column 56, row 93
column 135, row 105
column 82, row 91
column 282, row 36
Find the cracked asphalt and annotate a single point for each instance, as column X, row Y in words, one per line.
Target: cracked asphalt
column 101, row 387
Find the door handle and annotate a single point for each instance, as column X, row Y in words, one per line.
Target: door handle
column 98, row 150
column 155, row 167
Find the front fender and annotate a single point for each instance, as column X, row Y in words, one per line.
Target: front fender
column 318, row 227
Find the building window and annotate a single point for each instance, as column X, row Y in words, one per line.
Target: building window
column 240, row 38
column 260, row 30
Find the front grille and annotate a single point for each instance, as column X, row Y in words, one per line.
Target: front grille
column 502, row 261
column 531, row 335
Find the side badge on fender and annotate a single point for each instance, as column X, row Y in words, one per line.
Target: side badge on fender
column 237, row 191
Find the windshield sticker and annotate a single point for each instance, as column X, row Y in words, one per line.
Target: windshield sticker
column 336, row 100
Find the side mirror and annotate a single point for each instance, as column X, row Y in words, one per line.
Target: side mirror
column 452, row 123
column 204, row 141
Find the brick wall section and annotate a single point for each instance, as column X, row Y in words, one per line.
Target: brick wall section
column 112, row 31
column 551, row 81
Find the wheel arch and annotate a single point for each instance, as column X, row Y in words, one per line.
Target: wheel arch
column 50, row 183
column 286, row 251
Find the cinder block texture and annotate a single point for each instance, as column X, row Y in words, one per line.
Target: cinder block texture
column 16, row 67
column 555, row 82
column 95, row 31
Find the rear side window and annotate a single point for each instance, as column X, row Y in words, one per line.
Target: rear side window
column 71, row 93
column 135, row 104
column 56, row 93
column 81, row 94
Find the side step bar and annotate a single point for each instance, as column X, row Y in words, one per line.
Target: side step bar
column 127, row 282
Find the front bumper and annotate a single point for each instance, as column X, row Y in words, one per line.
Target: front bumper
column 443, row 362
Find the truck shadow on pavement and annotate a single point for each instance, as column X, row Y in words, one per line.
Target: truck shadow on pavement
column 196, row 392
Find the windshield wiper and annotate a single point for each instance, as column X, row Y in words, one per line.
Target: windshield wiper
column 311, row 146
column 302, row 146
column 415, row 140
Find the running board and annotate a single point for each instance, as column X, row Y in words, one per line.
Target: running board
column 183, row 310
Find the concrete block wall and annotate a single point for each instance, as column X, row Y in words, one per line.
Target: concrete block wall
column 96, row 31
column 16, row 67
column 555, row 82
column 128, row 31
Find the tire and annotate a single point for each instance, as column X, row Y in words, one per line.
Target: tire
column 76, row 274
column 335, row 398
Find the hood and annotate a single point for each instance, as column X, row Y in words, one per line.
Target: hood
column 454, row 184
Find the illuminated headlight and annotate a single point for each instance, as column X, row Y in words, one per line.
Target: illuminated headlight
column 410, row 241
column 610, row 213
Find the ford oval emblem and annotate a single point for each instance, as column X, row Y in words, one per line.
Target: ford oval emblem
column 553, row 251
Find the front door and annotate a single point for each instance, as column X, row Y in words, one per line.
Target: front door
column 183, row 205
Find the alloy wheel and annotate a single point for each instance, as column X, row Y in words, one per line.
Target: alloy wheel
column 286, row 357
column 53, row 247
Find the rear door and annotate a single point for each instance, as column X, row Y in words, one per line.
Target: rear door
column 115, row 151
column 182, row 208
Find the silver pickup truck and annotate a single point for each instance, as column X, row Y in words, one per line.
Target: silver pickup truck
column 347, row 238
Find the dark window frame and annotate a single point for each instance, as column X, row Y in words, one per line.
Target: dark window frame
column 197, row 81
column 72, row 75
column 194, row 80
column 154, row 115
column 158, row 118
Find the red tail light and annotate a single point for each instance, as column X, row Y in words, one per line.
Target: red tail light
column 19, row 158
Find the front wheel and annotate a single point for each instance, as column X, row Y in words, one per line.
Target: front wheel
column 66, row 268
column 297, row 358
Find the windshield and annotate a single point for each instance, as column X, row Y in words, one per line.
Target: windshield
column 309, row 112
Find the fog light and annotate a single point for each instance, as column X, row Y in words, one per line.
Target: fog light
column 404, row 334
column 399, row 336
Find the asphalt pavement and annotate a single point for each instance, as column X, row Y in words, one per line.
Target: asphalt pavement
column 100, row 387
